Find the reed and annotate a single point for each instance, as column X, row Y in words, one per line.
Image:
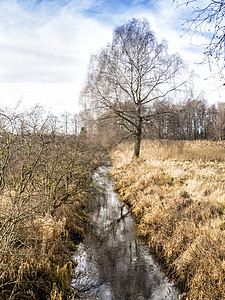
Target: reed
column 176, row 192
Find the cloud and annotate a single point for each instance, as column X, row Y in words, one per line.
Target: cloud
column 50, row 47
column 45, row 45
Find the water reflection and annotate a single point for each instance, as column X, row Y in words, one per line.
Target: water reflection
column 112, row 263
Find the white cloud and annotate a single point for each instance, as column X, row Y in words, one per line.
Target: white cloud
column 45, row 48
column 56, row 97
column 45, row 57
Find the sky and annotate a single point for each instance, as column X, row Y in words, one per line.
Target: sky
column 45, row 47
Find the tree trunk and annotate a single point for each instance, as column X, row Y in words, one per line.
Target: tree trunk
column 138, row 137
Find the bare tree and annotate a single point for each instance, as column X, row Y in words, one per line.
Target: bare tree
column 207, row 18
column 129, row 75
column 45, row 175
column 219, row 127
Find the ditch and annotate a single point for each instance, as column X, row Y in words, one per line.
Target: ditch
column 112, row 263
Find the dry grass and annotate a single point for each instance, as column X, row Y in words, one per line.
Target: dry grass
column 40, row 263
column 36, row 248
column 176, row 191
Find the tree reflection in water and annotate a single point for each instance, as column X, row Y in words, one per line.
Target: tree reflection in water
column 112, row 263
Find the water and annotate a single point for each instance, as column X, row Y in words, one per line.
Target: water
column 112, row 263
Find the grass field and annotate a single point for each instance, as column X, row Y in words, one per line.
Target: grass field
column 176, row 192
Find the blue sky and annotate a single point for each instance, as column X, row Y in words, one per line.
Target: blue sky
column 45, row 46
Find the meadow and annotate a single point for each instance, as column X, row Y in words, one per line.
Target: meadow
column 176, row 193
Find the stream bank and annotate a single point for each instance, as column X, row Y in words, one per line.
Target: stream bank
column 112, row 263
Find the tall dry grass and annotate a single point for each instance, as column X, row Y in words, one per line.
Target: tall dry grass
column 176, row 191
column 39, row 265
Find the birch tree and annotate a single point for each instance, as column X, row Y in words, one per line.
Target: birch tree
column 129, row 75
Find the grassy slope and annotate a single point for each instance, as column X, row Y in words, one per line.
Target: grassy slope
column 176, row 191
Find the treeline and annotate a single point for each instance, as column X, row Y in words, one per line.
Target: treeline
column 187, row 120
column 46, row 181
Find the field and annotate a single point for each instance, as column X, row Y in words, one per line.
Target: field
column 176, row 192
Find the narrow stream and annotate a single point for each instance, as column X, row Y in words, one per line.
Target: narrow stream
column 112, row 263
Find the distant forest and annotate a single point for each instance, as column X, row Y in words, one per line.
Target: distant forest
column 190, row 120
column 187, row 120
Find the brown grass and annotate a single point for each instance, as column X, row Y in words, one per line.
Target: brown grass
column 176, row 191
column 40, row 265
